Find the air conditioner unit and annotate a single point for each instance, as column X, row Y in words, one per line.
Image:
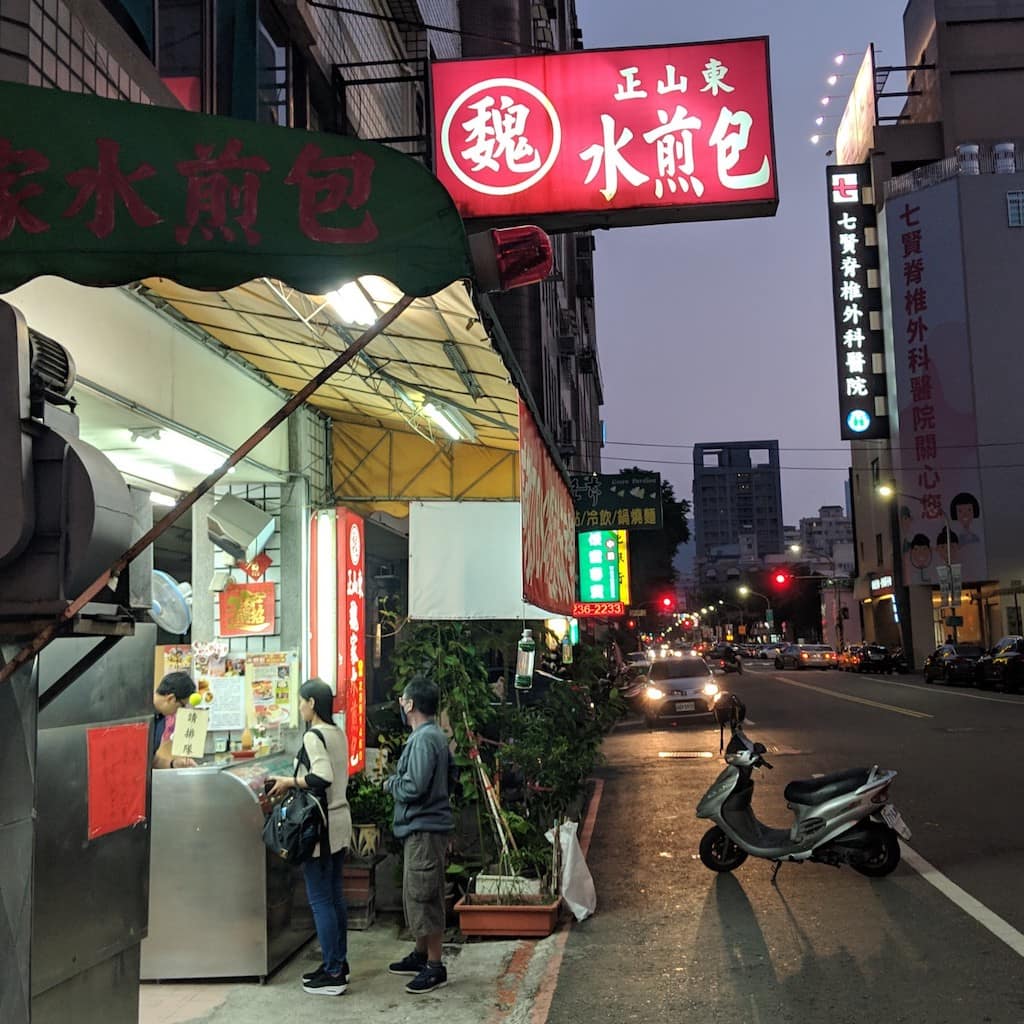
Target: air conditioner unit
column 239, row 528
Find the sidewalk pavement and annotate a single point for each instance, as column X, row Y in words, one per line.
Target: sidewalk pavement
column 489, row 982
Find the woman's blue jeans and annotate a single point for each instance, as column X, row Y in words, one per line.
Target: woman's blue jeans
column 330, row 911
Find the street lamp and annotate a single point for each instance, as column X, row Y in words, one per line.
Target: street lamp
column 840, row 631
column 744, row 590
column 888, row 491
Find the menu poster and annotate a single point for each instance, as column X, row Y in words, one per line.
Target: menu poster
column 226, row 702
column 171, row 658
column 272, row 681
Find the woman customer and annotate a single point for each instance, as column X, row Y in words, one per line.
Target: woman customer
column 322, row 766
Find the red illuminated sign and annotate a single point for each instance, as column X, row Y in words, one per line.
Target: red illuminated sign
column 608, row 137
column 598, row 609
column 352, row 633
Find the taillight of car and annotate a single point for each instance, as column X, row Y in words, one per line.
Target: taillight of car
column 828, row 657
column 804, row 655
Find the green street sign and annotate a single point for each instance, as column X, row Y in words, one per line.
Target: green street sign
column 599, row 565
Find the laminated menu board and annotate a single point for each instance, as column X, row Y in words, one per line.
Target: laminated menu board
column 273, row 688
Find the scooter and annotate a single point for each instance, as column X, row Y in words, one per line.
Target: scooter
column 842, row 818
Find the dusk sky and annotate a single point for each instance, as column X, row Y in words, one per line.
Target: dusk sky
column 723, row 331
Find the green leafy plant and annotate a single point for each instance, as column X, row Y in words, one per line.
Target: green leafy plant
column 368, row 803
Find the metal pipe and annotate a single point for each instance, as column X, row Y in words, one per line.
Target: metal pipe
column 61, row 622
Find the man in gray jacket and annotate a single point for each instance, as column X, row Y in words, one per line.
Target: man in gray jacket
column 423, row 821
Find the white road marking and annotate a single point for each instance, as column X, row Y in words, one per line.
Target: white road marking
column 988, row 919
column 948, row 691
column 840, row 695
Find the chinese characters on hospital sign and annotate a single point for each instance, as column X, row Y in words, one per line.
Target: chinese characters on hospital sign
column 608, row 137
column 860, row 343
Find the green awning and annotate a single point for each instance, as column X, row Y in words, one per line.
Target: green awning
column 105, row 192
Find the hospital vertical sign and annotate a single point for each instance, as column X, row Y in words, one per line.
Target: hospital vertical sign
column 857, row 301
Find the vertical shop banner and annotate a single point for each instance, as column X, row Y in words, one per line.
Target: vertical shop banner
column 549, row 524
column 599, row 565
column 936, row 460
column 611, row 137
column 118, row 766
column 352, row 633
column 857, row 300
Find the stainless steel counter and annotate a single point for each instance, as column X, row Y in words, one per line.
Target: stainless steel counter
column 220, row 905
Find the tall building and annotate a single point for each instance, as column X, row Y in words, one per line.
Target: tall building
column 737, row 506
column 821, row 533
column 947, row 181
column 551, row 327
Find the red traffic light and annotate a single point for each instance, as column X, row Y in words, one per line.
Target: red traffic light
column 667, row 603
column 780, row 579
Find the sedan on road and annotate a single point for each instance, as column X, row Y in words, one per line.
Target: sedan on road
column 802, row 656
column 870, row 658
column 1003, row 665
column 951, row 663
column 677, row 689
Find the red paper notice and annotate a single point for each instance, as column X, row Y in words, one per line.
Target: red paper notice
column 118, row 762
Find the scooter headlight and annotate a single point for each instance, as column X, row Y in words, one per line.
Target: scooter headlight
column 653, row 693
column 710, row 689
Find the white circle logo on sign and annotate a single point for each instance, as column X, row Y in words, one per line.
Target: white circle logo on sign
column 355, row 550
column 464, row 175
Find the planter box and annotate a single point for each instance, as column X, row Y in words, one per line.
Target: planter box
column 484, row 915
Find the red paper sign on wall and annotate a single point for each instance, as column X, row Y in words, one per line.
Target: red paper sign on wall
column 247, row 609
column 118, row 761
column 605, row 138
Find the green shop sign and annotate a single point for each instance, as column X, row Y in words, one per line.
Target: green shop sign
column 104, row 192
column 599, row 565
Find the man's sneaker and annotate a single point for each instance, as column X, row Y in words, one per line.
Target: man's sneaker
column 324, row 984
column 432, row 976
column 412, row 964
column 310, row 975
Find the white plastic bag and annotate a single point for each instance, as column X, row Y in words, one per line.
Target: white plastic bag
column 577, row 885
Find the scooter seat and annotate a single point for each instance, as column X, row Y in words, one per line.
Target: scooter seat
column 816, row 791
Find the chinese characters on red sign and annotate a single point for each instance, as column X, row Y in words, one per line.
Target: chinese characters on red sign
column 663, row 129
column 860, row 342
column 352, row 632
column 247, row 609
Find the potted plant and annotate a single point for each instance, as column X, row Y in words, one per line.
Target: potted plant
column 371, row 809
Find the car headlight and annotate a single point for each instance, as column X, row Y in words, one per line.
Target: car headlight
column 710, row 689
column 653, row 693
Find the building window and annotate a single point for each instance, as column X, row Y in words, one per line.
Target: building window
column 878, row 548
column 1015, row 209
column 274, row 98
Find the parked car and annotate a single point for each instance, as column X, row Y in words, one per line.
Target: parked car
column 725, row 657
column 950, row 663
column 802, row 656
column 677, row 689
column 870, row 658
column 632, row 682
column 1003, row 665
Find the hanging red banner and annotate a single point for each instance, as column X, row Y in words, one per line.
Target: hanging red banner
column 352, row 633
column 549, row 524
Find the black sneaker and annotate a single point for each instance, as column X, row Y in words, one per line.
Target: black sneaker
column 412, row 964
column 432, row 976
column 324, row 984
column 310, row 975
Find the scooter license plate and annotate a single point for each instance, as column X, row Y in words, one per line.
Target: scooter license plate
column 685, row 705
column 895, row 821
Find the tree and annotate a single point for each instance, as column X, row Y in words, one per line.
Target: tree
column 651, row 552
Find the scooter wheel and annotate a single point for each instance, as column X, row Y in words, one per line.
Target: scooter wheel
column 718, row 852
column 884, row 854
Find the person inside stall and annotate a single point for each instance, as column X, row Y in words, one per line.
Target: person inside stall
column 169, row 697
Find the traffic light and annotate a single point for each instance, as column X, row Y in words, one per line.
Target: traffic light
column 780, row 578
column 667, row 604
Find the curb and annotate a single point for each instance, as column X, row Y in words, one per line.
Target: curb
column 512, row 980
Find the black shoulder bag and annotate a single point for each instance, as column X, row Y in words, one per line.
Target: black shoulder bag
column 298, row 823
